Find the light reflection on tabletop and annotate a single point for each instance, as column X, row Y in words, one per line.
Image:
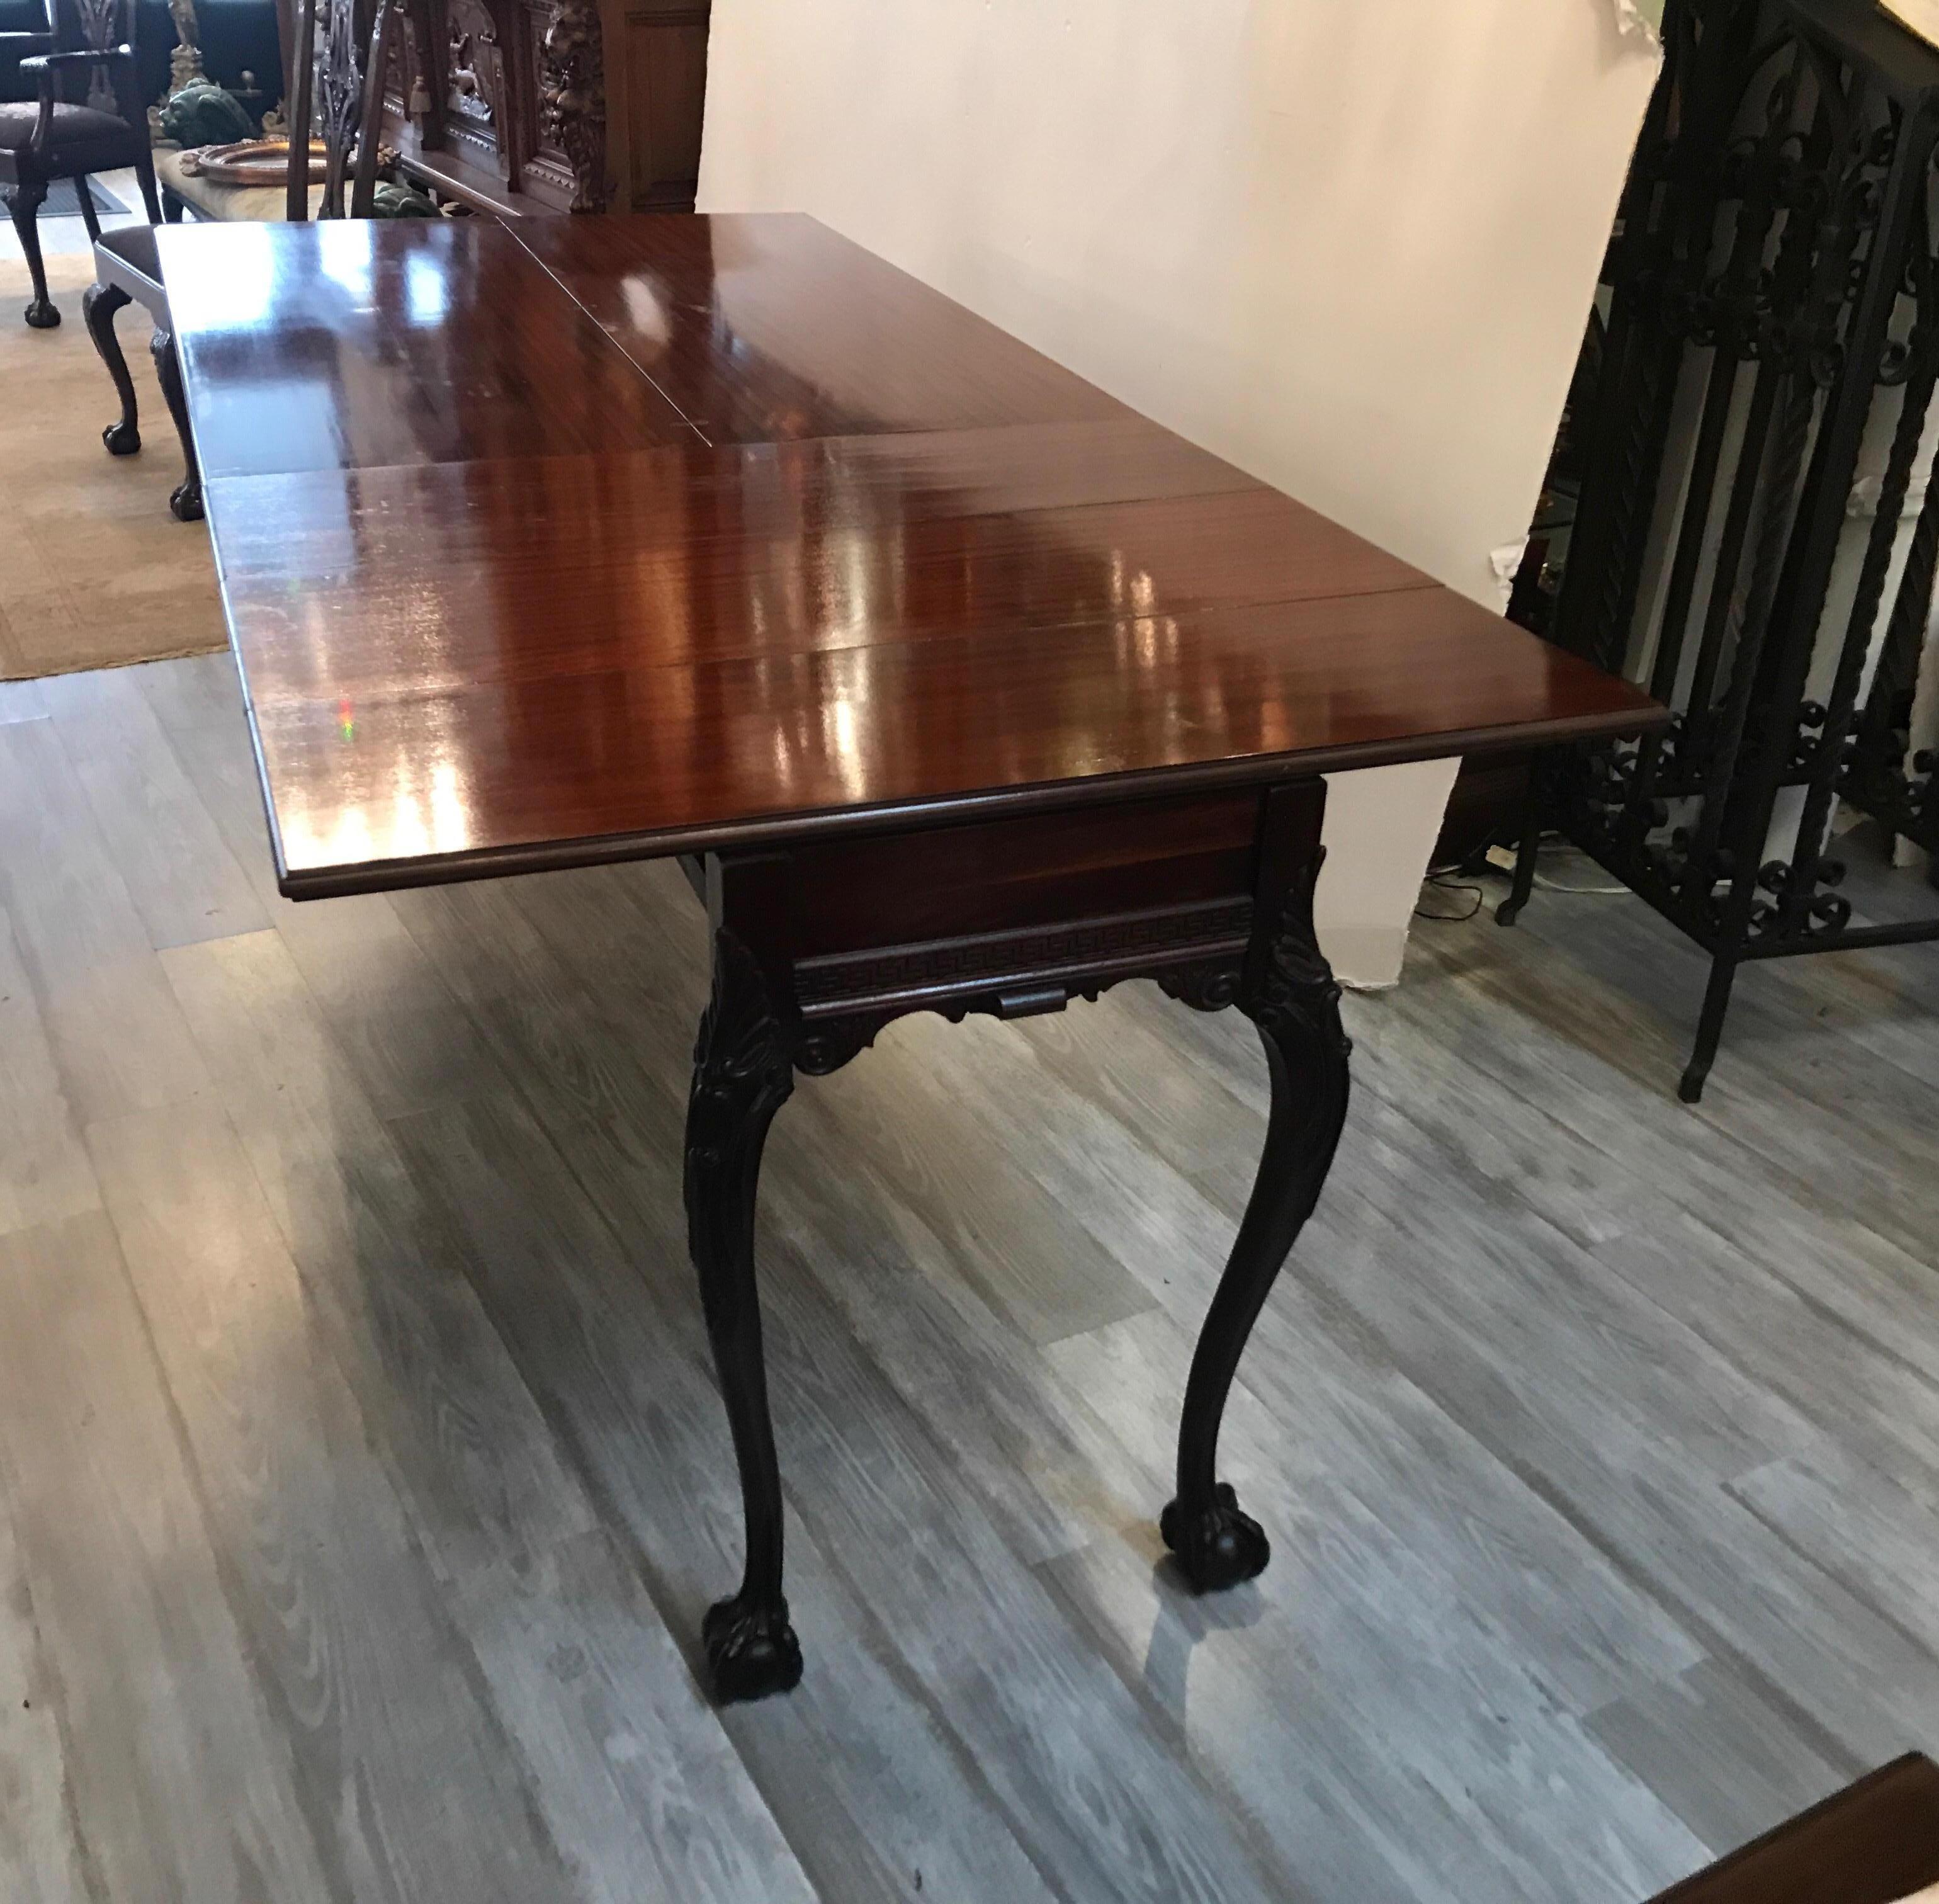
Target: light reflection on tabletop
column 646, row 527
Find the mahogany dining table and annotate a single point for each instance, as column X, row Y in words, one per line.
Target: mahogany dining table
column 955, row 684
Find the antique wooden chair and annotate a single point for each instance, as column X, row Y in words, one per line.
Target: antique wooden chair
column 333, row 97
column 88, row 117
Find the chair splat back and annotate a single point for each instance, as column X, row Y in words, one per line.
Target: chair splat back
column 335, row 97
column 95, row 26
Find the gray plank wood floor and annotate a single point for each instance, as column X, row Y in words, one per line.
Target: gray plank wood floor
column 362, row 1478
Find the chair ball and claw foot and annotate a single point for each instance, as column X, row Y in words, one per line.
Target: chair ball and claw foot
column 751, row 1648
column 100, row 304
column 127, row 270
column 185, row 503
column 23, row 207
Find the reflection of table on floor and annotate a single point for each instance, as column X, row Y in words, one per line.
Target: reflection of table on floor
column 957, row 686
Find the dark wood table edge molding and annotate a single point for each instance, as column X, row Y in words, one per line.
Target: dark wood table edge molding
column 1100, row 790
column 1875, row 1842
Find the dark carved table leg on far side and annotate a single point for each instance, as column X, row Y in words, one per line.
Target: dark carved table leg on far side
column 1289, row 992
column 742, row 1073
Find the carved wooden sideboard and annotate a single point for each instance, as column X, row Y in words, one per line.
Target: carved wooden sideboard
column 548, row 106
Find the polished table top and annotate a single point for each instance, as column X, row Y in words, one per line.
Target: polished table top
column 580, row 538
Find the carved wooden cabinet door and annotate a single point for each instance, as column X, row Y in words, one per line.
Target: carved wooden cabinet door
column 544, row 134
column 471, row 92
column 544, row 105
column 657, row 63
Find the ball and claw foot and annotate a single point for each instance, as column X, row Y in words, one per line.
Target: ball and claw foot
column 1218, row 1548
column 42, row 315
column 122, row 439
column 185, row 504
column 751, row 1650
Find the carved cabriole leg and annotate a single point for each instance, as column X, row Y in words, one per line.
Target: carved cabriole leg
column 818, row 947
column 90, row 219
column 23, row 206
column 99, row 305
column 1289, row 992
column 186, row 502
column 742, row 1075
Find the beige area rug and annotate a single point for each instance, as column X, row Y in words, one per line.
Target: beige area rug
column 94, row 571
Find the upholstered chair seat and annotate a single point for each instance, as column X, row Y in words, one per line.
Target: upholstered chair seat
column 75, row 134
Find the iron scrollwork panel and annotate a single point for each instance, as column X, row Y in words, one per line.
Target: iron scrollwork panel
column 1773, row 331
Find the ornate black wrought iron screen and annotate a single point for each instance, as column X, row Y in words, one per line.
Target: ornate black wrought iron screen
column 1771, row 305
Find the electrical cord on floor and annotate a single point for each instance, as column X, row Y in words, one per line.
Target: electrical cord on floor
column 1460, row 879
column 1502, row 860
column 1544, row 884
column 1448, row 880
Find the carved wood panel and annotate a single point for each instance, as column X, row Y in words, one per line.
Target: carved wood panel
column 507, row 100
column 666, row 89
column 469, row 89
column 548, row 163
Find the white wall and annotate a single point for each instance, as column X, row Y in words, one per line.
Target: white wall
column 1348, row 245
